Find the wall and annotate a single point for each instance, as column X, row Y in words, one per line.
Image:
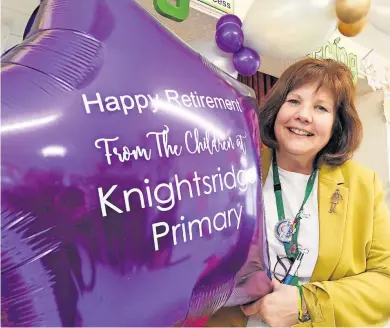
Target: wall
column 241, row 8
column 15, row 14
column 14, row 17
column 197, row 26
column 374, row 150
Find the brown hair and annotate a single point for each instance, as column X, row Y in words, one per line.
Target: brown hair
column 347, row 128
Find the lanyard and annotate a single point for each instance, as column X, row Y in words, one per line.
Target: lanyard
column 287, row 231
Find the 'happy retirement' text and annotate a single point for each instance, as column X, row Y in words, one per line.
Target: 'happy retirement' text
column 155, row 102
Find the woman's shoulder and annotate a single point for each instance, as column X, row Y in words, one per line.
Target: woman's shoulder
column 349, row 172
column 357, row 168
column 362, row 182
column 354, row 172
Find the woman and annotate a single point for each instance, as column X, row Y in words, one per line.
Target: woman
column 324, row 213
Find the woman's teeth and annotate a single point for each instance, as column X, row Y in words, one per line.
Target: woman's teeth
column 300, row 132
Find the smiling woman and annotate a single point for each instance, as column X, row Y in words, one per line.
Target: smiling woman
column 304, row 124
column 317, row 97
column 327, row 223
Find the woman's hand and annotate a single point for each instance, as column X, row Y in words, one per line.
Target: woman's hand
column 277, row 309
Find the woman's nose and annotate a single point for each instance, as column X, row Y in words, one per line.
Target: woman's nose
column 305, row 113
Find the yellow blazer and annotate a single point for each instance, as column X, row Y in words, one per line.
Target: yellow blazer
column 350, row 285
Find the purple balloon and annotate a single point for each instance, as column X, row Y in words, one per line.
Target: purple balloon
column 246, row 61
column 131, row 187
column 229, row 18
column 229, row 37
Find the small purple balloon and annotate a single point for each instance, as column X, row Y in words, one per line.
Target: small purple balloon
column 229, row 19
column 246, row 61
column 229, row 37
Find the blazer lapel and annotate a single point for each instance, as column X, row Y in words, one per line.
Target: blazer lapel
column 332, row 224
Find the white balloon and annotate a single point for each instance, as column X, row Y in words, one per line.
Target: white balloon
column 289, row 29
column 379, row 15
column 209, row 50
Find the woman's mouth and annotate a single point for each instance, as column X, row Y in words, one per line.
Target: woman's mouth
column 300, row 132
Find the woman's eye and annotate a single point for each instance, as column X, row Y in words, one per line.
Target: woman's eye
column 293, row 101
column 322, row 108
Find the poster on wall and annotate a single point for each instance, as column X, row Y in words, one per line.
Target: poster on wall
column 225, row 6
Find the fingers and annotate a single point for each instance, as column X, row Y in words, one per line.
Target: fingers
column 252, row 309
column 258, row 284
column 255, row 307
column 276, row 284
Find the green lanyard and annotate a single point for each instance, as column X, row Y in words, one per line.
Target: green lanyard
column 286, row 230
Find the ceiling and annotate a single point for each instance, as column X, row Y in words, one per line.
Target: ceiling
column 373, row 38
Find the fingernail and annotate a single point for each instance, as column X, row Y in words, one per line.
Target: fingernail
column 246, row 311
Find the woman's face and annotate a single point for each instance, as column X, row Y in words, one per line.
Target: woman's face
column 305, row 121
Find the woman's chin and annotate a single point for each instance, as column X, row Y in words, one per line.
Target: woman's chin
column 297, row 150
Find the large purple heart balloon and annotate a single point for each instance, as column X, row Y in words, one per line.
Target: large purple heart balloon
column 130, row 173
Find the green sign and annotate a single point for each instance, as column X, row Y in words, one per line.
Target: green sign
column 334, row 51
column 177, row 12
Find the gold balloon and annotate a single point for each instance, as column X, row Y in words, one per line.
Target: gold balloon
column 351, row 30
column 352, row 11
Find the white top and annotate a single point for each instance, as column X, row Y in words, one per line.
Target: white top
column 293, row 192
